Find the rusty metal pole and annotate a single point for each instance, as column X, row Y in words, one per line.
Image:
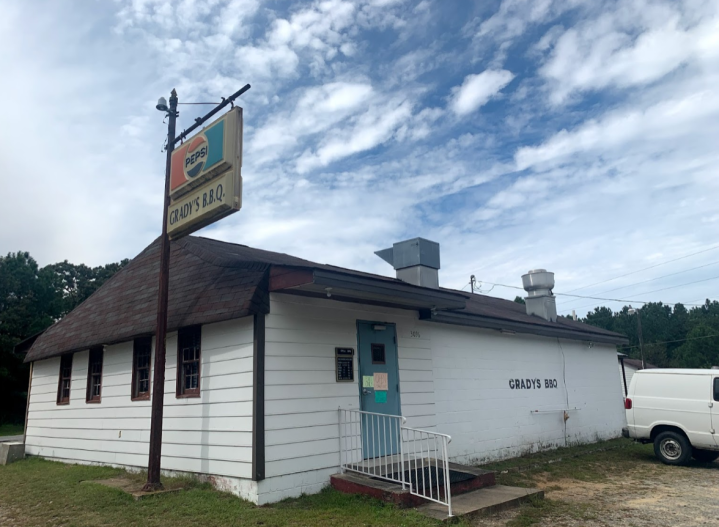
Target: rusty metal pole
column 158, row 381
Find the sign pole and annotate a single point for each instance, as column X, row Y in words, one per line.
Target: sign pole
column 158, row 381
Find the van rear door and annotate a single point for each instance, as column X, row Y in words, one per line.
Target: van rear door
column 715, row 408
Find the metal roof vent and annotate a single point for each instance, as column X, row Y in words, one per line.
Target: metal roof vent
column 540, row 301
column 416, row 261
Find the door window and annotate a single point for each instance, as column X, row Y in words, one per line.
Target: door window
column 716, row 388
column 378, row 356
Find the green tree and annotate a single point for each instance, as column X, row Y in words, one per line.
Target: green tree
column 701, row 348
column 601, row 317
column 31, row 299
column 28, row 304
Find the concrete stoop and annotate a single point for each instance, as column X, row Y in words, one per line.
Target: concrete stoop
column 475, row 494
column 481, row 502
column 11, row 452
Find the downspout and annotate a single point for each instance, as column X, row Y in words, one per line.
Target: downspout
column 624, row 377
column 27, row 404
column 258, row 399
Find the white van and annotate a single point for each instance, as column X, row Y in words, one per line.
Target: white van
column 678, row 411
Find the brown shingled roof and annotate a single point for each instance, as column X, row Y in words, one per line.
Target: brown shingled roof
column 500, row 308
column 212, row 281
column 205, row 287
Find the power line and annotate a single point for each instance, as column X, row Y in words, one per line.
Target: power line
column 645, row 269
column 671, row 341
column 608, row 299
column 644, row 293
column 651, row 279
column 653, row 291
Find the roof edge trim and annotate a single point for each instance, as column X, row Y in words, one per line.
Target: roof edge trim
column 462, row 319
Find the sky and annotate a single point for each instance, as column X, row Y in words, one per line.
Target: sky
column 581, row 137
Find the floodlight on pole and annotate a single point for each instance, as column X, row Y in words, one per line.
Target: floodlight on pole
column 162, row 105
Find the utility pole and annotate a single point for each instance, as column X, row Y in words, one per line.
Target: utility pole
column 641, row 340
column 633, row 311
column 472, row 281
column 158, row 381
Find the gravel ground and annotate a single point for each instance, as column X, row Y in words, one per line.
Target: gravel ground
column 644, row 494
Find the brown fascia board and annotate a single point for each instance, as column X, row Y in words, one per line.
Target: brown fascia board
column 282, row 277
column 390, row 288
column 463, row 319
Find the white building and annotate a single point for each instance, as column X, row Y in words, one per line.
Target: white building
column 627, row 368
column 257, row 333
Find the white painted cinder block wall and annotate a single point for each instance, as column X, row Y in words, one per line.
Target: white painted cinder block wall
column 211, row 434
column 489, row 420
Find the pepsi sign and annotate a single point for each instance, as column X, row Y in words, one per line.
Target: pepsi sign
column 196, row 156
column 208, row 154
column 205, row 176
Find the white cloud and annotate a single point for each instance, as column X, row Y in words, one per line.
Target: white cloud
column 317, row 109
column 351, row 140
column 662, row 123
column 477, row 90
column 374, row 127
column 632, row 46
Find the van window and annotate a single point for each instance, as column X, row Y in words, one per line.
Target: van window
column 716, row 388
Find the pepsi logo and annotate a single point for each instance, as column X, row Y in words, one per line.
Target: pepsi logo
column 195, row 156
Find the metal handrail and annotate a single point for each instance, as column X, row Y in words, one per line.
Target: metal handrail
column 377, row 434
column 422, row 454
column 437, row 456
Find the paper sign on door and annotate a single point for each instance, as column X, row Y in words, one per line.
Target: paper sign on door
column 380, row 381
column 367, row 381
column 380, row 396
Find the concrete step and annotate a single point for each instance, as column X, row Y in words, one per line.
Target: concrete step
column 482, row 501
column 467, row 480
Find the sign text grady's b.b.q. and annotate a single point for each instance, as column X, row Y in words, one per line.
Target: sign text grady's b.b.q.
column 205, row 176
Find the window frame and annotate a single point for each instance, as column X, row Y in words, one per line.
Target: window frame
column 136, row 347
column 715, row 387
column 183, row 334
column 381, row 348
column 62, row 401
column 94, row 353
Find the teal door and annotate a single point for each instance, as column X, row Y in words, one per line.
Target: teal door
column 377, row 362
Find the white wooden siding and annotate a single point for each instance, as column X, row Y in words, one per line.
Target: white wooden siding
column 302, row 395
column 488, row 420
column 211, row 434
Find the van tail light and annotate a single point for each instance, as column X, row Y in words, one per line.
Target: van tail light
column 627, row 404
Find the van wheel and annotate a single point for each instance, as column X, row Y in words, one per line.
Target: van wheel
column 704, row 456
column 672, row 448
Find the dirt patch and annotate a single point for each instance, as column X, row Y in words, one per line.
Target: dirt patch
column 131, row 486
column 636, row 492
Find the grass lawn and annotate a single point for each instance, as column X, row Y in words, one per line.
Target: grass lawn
column 11, row 430
column 36, row 492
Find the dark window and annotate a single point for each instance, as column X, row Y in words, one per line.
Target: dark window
column 188, row 362
column 141, row 353
column 94, row 376
column 63, row 387
column 716, row 388
column 378, row 354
